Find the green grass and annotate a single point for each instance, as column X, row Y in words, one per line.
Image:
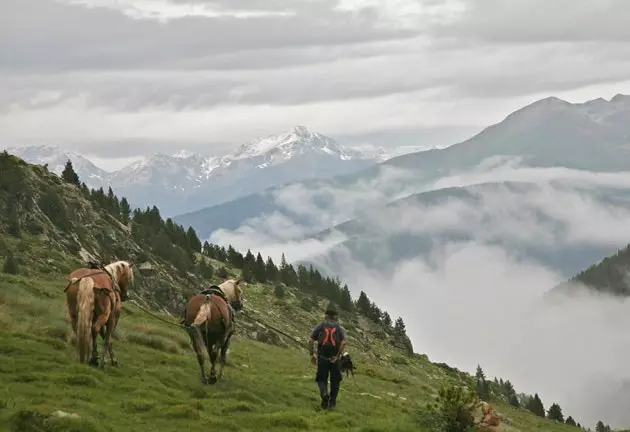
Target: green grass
column 157, row 388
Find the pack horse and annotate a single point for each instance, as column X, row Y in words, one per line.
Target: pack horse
column 94, row 296
column 209, row 320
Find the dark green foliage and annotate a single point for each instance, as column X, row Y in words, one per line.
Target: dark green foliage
column 279, row 290
column 193, row 241
column 10, row 264
column 555, row 413
column 451, row 411
column 125, row 210
column 363, row 304
column 13, row 221
column 345, row 300
column 536, row 406
column 260, row 271
column 307, row 304
column 510, row 394
column 54, row 208
column 387, row 320
column 222, row 272
column 271, row 270
column 609, row 274
column 69, row 175
column 601, row 427
column 570, row 421
column 482, row 387
column 399, row 327
column 205, row 269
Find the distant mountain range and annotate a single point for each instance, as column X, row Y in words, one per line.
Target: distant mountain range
column 551, row 133
column 186, row 181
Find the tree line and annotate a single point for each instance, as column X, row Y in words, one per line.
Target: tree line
column 177, row 245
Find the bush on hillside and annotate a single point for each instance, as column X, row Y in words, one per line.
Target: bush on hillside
column 451, row 411
column 10, row 265
column 279, row 291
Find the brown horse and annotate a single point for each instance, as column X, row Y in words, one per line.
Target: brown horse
column 209, row 321
column 94, row 296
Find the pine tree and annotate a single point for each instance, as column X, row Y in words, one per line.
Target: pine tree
column 570, row 421
column 112, row 203
column 235, row 258
column 399, row 327
column 363, row 304
column 510, row 394
column 387, row 320
column 536, row 406
column 260, row 271
column 345, row 299
column 125, row 210
column 193, row 241
column 271, row 270
column 69, row 175
column 555, row 413
column 482, row 387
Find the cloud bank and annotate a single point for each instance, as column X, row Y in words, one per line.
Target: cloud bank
column 477, row 302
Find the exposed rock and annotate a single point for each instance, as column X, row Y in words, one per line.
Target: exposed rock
column 60, row 413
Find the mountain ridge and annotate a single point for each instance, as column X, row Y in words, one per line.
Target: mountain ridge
column 548, row 133
column 185, row 180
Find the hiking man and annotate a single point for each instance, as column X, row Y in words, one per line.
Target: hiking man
column 330, row 338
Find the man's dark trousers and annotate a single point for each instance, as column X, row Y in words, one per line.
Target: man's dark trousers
column 324, row 369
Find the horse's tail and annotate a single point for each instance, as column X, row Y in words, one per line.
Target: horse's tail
column 85, row 309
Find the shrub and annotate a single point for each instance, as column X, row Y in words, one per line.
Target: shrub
column 279, row 291
column 451, row 411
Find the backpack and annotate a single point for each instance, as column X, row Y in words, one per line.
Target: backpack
column 328, row 341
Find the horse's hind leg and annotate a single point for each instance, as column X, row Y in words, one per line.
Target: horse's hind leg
column 110, row 349
column 213, row 351
column 94, row 359
column 224, row 349
column 195, row 336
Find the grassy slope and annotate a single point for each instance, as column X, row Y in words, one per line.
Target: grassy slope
column 267, row 385
column 157, row 386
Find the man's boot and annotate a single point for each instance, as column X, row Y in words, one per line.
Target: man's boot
column 323, row 393
column 334, row 391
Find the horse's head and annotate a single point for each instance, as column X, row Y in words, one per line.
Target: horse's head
column 234, row 293
column 122, row 272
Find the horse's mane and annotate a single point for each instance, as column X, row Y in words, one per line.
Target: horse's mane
column 118, row 268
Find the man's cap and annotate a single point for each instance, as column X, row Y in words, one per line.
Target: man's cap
column 332, row 312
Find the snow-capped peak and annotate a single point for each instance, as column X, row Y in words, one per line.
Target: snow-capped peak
column 183, row 154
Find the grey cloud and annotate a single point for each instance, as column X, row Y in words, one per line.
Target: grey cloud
column 539, row 21
column 524, row 70
column 62, row 37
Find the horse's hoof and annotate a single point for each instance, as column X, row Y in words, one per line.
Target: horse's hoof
column 212, row 380
column 116, row 364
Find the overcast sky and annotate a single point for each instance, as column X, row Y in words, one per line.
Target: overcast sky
column 130, row 77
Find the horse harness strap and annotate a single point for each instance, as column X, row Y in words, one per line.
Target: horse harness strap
column 215, row 290
column 103, row 271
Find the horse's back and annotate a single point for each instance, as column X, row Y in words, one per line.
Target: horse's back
column 100, row 278
column 219, row 311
